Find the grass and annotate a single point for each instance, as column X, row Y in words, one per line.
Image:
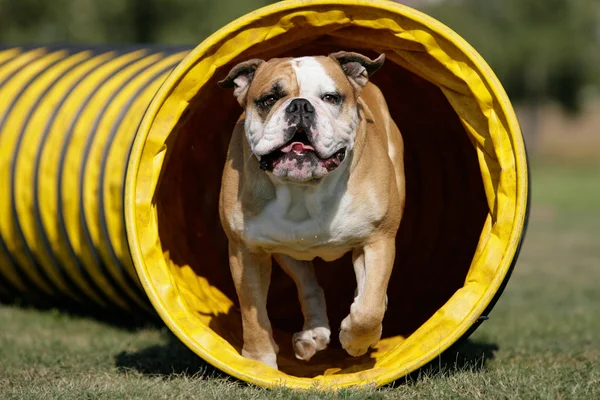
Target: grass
column 542, row 340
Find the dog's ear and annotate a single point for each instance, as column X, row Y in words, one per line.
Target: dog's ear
column 357, row 67
column 240, row 77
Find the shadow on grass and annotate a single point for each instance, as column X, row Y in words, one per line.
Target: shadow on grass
column 170, row 360
column 130, row 321
column 174, row 359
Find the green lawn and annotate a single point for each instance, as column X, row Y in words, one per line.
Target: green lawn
column 542, row 340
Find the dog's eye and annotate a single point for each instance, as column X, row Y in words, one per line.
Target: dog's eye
column 332, row 98
column 268, row 101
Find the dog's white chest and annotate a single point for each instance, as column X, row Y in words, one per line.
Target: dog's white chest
column 305, row 224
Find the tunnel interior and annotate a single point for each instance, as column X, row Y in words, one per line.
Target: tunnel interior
column 445, row 211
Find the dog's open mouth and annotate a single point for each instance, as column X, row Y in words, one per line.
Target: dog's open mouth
column 299, row 147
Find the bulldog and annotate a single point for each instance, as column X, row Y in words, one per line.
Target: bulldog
column 314, row 169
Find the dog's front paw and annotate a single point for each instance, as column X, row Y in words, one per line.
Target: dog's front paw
column 307, row 343
column 269, row 358
column 356, row 340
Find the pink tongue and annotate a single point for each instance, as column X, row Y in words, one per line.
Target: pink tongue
column 297, row 147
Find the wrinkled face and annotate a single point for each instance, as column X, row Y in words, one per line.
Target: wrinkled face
column 301, row 117
column 301, row 113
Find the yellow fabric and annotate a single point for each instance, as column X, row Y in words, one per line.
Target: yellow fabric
column 129, row 80
column 24, row 72
column 28, row 150
column 190, row 304
column 116, row 165
column 32, row 84
column 93, row 73
column 410, row 39
column 12, row 60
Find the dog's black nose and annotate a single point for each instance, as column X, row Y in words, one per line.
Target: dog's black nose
column 300, row 107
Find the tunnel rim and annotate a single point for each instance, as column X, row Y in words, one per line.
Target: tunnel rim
column 495, row 88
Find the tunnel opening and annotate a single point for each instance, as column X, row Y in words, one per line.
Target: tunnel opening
column 445, row 212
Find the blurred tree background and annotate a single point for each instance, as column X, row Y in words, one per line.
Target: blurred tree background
column 118, row 21
column 542, row 50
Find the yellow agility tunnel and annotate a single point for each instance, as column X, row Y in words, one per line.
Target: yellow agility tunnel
column 110, row 171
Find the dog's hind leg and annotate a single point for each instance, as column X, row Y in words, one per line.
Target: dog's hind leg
column 315, row 333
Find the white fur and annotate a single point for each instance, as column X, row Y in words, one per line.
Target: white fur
column 305, row 222
column 331, row 133
column 313, row 81
column 241, row 84
column 312, row 77
column 265, row 138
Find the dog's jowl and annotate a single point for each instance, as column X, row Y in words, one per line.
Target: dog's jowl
column 314, row 169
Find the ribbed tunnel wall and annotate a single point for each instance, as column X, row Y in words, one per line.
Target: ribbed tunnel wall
column 111, row 161
column 68, row 117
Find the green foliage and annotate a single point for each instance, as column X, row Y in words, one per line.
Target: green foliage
column 540, row 49
column 117, row 21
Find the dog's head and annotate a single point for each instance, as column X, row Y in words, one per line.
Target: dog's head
column 301, row 113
